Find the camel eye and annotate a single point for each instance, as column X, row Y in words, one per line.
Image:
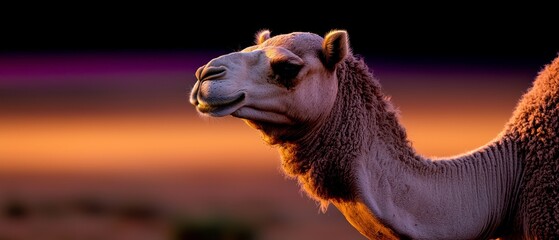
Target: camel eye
column 286, row 70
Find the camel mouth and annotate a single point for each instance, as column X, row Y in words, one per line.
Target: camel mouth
column 222, row 106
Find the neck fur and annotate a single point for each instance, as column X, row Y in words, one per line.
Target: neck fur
column 324, row 159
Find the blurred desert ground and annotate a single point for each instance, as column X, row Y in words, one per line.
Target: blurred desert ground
column 105, row 145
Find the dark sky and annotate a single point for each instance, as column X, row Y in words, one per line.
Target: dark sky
column 511, row 32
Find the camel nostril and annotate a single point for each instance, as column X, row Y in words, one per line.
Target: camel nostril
column 210, row 72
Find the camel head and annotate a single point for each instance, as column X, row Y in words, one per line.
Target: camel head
column 283, row 85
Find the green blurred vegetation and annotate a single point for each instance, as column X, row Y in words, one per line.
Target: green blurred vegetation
column 33, row 217
column 213, row 228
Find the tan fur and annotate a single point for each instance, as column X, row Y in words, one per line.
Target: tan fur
column 535, row 125
column 338, row 134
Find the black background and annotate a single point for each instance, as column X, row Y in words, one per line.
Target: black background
column 513, row 32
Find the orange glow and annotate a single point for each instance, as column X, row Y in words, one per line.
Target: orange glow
column 128, row 142
column 439, row 137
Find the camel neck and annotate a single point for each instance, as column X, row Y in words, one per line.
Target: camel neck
column 360, row 159
column 477, row 189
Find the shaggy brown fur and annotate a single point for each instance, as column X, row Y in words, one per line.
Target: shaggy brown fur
column 535, row 127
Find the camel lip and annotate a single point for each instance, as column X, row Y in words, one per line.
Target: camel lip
column 223, row 107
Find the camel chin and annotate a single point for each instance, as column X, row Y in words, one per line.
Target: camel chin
column 260, row 116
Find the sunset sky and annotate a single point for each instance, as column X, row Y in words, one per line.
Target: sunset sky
column 112, row 95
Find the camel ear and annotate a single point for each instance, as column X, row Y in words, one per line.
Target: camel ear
column 262, row 36
column 335, row 47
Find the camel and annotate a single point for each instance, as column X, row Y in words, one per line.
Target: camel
column 339, row 135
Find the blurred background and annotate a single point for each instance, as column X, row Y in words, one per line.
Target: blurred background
column 98, row 139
